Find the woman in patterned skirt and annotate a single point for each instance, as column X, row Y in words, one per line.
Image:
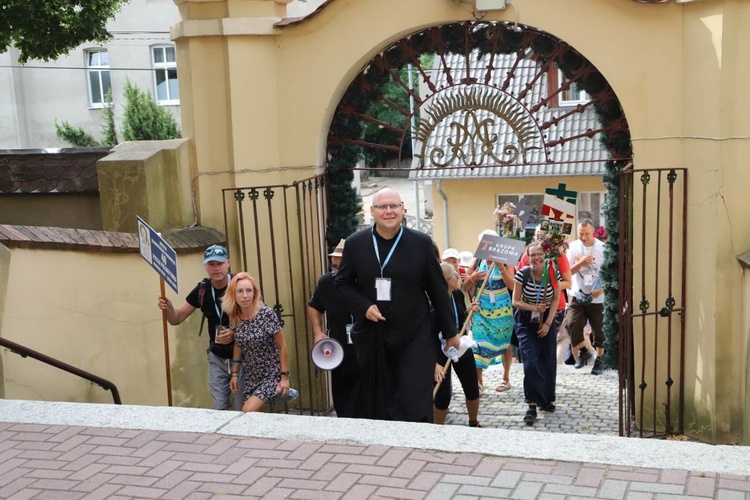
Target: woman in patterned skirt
column 493, row 323
column 259, row 345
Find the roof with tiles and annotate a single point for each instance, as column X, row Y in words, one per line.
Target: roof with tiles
column 185, row 240
column 50, row 171
column 582, row 156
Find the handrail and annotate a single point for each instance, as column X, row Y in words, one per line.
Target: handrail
column 25, row 351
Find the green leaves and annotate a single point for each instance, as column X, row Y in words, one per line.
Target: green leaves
column 48, row 29
column 145, row 120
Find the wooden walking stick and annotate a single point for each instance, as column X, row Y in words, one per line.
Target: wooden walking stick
column 466, row 323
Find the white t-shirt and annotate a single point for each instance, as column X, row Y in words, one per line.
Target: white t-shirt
column 587, row 277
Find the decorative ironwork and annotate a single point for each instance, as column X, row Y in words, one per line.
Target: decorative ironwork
column 670, row 302
column 652, row 342
column 644, row 306
column 536, row 57
column 253, row 194
column 268, row 193
column 279, row 309
column 474, row 142
column 671, row 177
column 239, row 195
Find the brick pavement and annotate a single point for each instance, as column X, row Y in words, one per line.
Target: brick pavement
column 53, row 461
column 67, row 450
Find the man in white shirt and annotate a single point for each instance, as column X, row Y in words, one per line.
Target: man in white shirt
column 586, row 255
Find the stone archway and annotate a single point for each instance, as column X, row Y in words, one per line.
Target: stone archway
column 530, row 56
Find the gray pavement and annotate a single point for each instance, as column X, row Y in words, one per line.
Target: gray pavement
column 69, row 450
column 586, row 404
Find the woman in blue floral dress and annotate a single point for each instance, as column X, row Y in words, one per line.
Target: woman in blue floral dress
column 258, row 345
column 492, row 325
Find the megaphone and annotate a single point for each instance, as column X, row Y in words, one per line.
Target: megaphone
column 327, row 353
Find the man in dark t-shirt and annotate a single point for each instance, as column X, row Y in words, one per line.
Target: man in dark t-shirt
column 207, row 296
column 325, row 300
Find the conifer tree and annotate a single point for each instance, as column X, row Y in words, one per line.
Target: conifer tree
column 144, row 119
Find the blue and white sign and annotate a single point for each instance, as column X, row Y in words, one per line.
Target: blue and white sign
column 157, row 253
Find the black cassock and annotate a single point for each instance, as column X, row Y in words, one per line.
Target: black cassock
column 396, row 356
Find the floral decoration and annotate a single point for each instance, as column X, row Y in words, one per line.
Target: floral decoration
column 553, row 244
column 507, row 221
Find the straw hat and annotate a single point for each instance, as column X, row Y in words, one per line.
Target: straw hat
column 339, row 250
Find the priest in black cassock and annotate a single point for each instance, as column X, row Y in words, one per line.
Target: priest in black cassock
column 388, row 278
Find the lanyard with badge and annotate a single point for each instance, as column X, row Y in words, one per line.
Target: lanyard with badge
column 219, row 314
column 382, row 284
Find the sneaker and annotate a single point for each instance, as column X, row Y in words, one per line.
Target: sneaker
column 549, row 408
column 598, row 367
column 583, row 358
column 278, row 398
column 530, row 416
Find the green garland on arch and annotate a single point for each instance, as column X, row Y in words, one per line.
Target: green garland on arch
column 487, row 38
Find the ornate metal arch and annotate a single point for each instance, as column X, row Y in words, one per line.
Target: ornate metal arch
column 497, row 77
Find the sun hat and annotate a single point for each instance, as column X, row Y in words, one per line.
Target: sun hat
column 339, row 250
column 215, row 253
column 450, row 253
column 465, row 258
column 487, row 231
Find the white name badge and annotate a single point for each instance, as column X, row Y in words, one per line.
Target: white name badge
column 588, row 279
column 383, row 289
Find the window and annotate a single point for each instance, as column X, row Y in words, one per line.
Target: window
column 573, row 95
column 97, row 68
column 165, row 75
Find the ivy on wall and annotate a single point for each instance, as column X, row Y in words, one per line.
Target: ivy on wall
column 347, row 144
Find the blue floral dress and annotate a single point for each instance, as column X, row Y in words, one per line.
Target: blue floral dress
column 260, row 355
column 493, row 323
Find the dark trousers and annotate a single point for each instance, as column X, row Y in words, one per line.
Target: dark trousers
column 539, row 359
column 466, row 369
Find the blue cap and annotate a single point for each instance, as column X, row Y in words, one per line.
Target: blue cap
column 215, row 253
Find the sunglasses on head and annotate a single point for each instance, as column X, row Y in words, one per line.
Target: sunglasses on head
column 215, row 251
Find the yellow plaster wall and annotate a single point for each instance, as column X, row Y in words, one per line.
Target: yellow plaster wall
column 145, row 178
column 97, row 311
column 265, row 100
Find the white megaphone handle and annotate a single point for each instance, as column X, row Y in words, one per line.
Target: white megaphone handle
column 349, row 329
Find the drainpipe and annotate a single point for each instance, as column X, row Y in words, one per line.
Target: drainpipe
column 445, row 211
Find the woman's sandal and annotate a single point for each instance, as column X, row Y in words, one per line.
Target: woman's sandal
column 504, row 386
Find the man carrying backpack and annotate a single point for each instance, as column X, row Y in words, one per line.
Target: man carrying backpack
column 207, row 296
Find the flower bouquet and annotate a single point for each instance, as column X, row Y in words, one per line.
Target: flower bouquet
column 506, row 220
column 553, row 244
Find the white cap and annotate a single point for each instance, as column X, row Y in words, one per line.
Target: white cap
column 465, row 258
column 451, row 253
column 487, row 231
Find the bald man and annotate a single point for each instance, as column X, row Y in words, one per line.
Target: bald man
column 388, row 278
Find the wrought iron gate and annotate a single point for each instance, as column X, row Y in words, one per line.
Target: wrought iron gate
column 279, row 231
column 653, row 238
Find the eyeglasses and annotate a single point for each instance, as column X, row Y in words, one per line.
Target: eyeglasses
column 384, row 208
column 245, row 292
